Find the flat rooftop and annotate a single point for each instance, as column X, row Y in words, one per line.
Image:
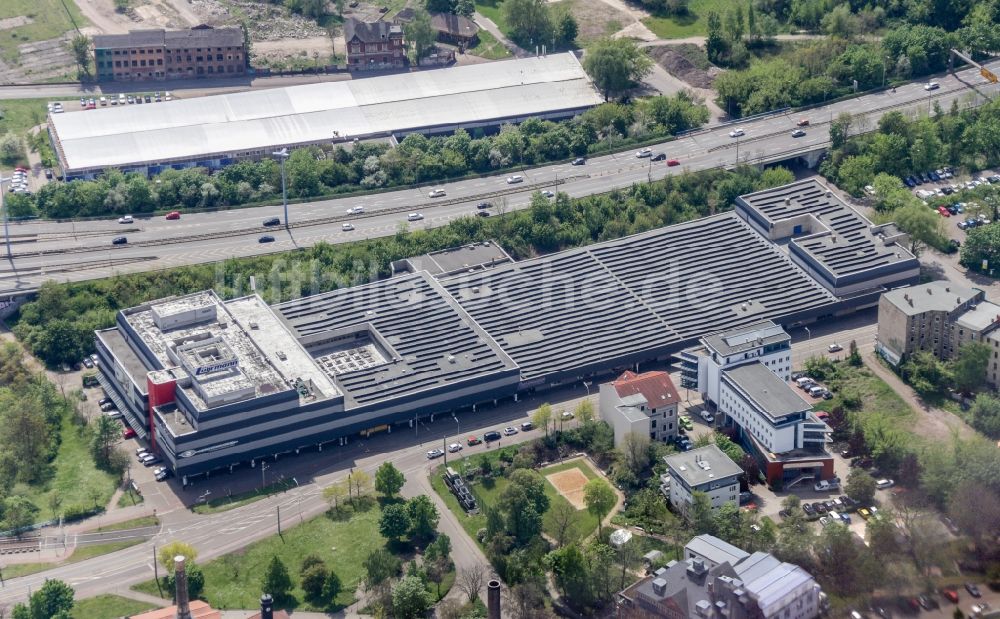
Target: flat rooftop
column 416, row 337
column 702, row 465
column 833, row 234
column 630, row 296
column 751, row 336
column 767, row 391
column 980, row 317
column 465, row 258
column 115, row 342
column 716, row 550
column 936, row 296
column 203, row 128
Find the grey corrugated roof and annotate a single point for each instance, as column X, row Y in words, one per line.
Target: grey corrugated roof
column 211, row 37
column 936, row 296
column 716, row 550
column 134, row 38
column 749, row 337
column 769, row 580
column 686, row 465
column 635, row 294
column 764, row 387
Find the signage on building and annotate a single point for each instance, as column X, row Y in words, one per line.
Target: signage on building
column 215, row 367
column 194, row 452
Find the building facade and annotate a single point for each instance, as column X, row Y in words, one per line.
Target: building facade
column 706, row 469
column 737, row 585
column 374, row 46
column 644, row 404
column 143, row 55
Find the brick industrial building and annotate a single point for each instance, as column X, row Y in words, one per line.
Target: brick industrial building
column 202, row 51
column 374, row 46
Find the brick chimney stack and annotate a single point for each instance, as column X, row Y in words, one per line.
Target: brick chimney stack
column 180, row 578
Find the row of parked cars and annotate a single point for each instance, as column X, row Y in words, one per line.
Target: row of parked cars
column 927, row 601
column 19, row 181
column 811, row 386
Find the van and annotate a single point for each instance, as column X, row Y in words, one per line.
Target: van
column 816, row 392
column 801, row 380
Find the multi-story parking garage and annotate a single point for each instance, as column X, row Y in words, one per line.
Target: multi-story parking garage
column 213, row 383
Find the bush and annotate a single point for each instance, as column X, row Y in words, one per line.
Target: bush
column 313, row 580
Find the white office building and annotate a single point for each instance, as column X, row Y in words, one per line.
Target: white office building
column 706, row 469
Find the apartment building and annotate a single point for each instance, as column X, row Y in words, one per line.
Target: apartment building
column 706, row 469
column 199, row 52
column 644, row 404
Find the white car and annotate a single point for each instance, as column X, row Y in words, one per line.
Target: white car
column 435, row 193
column 932, row 86
column 834, row 348
column 434, row 453
column 517, row 178
column 125, row 219
column 566, row 415
column 347, row 227
column 735, row 133
column 509, row 431
column 414, row 217
column 707, row 416
column 646, row 152
column 882, row 484
column 355, row 210
column 454, row 448
column 104, row 100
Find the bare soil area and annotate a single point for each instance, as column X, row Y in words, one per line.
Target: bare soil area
column 15, row 22
column 596, row 19
column 687, row 63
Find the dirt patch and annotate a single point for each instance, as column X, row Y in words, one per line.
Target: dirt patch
column 39, row 61
column 686, row 62
column 594, row 18
column 15, row 22
column 570, row 484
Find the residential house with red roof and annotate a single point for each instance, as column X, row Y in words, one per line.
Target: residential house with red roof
column 644, row 403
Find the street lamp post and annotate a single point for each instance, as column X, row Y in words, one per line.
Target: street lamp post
column 459, row 435
column 282, row 155
column 6, row 230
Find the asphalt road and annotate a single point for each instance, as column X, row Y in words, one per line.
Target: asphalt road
column 73, row 251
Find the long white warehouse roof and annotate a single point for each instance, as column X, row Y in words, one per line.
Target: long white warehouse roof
column 184, row 130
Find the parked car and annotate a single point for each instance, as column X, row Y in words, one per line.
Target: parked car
column 951, row 595
column 274, row 221
column 163, row 475
column 526, row 426
column 491, row 436
column 973, row 590
column 87, row 363
column 128, row 433
column 825, row 486
column 141, row 450
column 883, row 484
column 927, row 602
column 566, row 415
column 685, row 422
column 745, row 497
column 454, row 448
column 103, row 401
column 435, row 453
column 707, row 416
column 944, row 211
column 509, row 431
column 808, row 510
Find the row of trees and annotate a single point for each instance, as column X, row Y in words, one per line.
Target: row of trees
column 316, row 171
column 537, row 23
column 58, row 326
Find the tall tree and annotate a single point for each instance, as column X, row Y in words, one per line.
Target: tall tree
column 168, row 552
column 860, row 486
column 80, row 45
column 394, row 522
column 103, row 439
column 542, row 417
column 700, row 514
column 530, row 22
column 584, row 411
column 564, row 518
column 470, row 580
column 54, row 600
column 410, row 598
column 600, row 498
column 423, row 516
column 276, row 581
column 420, row 33
column 389, row 480
column 616, row 65
column 968, row 369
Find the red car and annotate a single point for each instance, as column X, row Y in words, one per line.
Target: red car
column 474, row 440
column 672, row 162
column 128, row 433
column 174, row 215
column 951, row 595
column 944, row 211
column 804, row 122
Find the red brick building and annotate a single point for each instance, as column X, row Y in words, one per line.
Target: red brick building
column 374, row 46
column 200, row 52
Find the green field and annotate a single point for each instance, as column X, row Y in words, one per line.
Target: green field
column 226, row 503
column 487, row 493
column 77, row 482
column 489, row 47
column 692, row 24
column 234, row 580
column 108, row 606
column 49, row 19
column 492, row 9
column 19, row 115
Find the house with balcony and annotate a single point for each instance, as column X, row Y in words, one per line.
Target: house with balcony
column 644, row 404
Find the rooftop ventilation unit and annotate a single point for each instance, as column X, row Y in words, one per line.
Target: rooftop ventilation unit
column 659, row 586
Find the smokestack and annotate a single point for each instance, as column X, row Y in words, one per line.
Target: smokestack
column 493, row 599
column 180, row 579
column 266, row 606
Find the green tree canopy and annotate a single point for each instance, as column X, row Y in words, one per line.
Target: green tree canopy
column 394, row 522
column 600, row 499
column 388, row 479
column 616, row 65
column 860, row 486
column 276, row 581
column 423, row 517
column 968, row 368
column 410, row 598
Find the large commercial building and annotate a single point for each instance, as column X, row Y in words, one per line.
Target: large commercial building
column 200, row 52
column 218, row 130
column 215, row 383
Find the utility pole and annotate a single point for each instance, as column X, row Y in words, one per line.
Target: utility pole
column 282, row 155
column 6, row 230
column 263, row 467
column 278, row 507
column 156, row 567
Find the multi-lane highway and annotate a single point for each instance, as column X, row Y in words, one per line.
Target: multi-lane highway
column 72, row 251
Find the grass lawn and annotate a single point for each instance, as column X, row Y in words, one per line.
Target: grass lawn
column 488, row 494
column 874, row 393
column 82, row 553
column 692, row 24
column 48, row 19
column 77, row 482
column 130, row 498
column 226, row 503
column 493, row 10
column 108, row 606
column 19, row 115
column 135, row 523
column 489, row 47
column 233, row 580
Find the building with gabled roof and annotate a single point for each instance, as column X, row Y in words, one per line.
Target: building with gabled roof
column 374, row 46
column 644, row 404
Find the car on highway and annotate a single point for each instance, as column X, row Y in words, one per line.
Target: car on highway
column 173, row 215
column 484, row 205
column 119, row 240
column 803, row 122
column 435, row 193
column 517, row 178
column 125, row 219
column 672, row 162
column 355, row 210
column 414, row 217
column 658, row 157
column 473, row 440
column 509, row 431
column 834, row 348
column 735, row 133
column 973, row 590
column 932, row 86
column 128, row 433
column 435, row 453
column 454, row 448
column 491, row 436
column 482, row 213
column 798, row 133
column 547, row 193
column 274, row 221
column 267, row 238
column 643, row 153
column 347, row 227
column 579, row 161
column 884, row 484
